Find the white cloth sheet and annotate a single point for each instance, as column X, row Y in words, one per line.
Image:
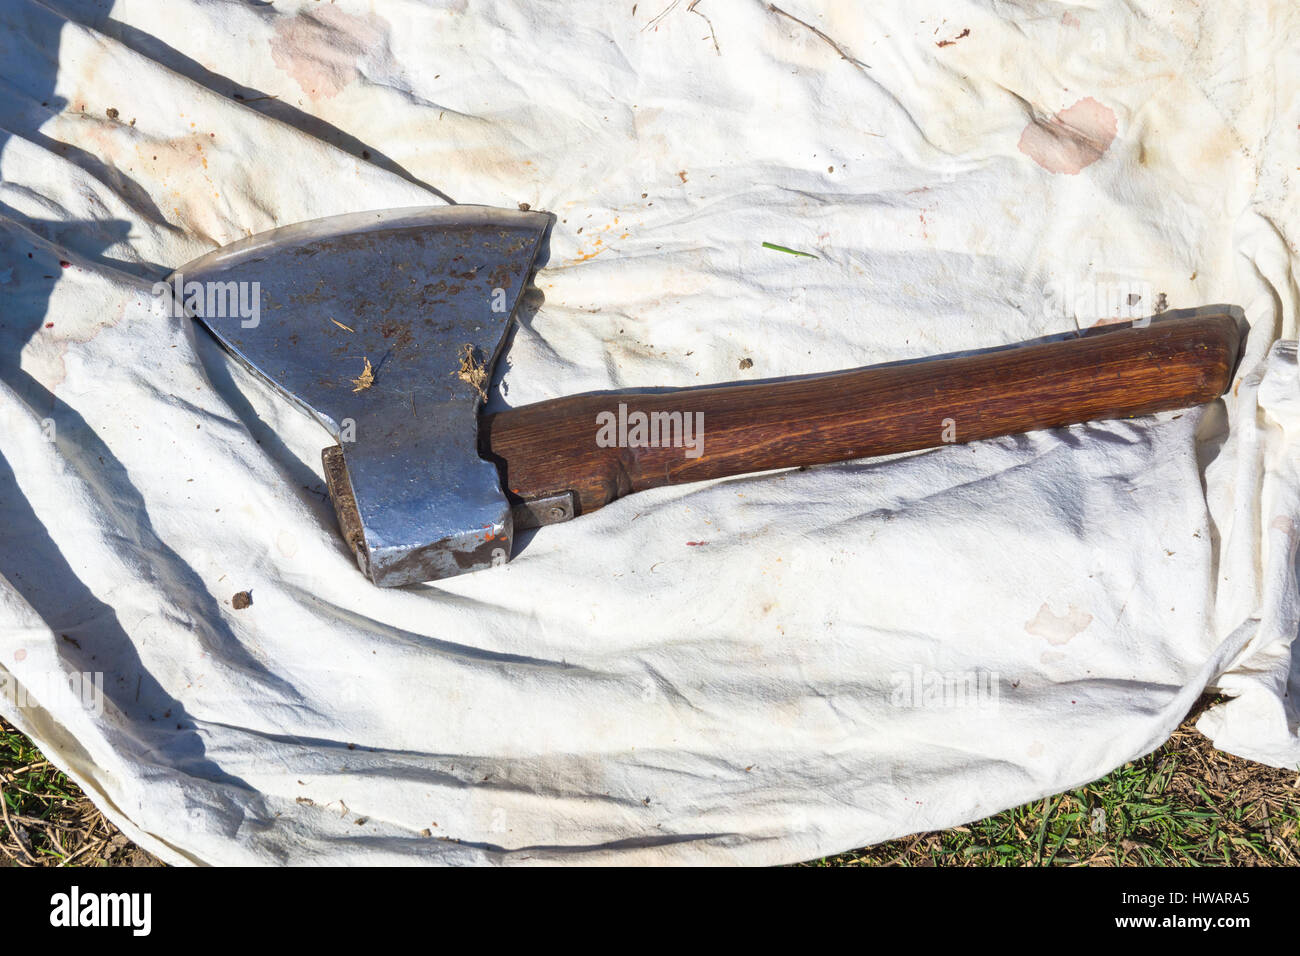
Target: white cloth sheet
column 967, row 174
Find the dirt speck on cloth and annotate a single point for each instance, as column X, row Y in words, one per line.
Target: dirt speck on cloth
column 473, row 372
column 366, row 378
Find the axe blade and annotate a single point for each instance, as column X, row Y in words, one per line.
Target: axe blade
column 385, row 327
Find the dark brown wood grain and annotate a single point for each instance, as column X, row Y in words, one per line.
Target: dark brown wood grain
column 551, row 447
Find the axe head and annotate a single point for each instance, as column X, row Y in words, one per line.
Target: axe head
column 385, row 326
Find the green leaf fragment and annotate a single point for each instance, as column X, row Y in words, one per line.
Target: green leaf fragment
column 788, row 251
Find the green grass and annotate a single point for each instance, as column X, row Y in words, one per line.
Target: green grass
column 788, row 251
column 1186, row 804
column 46, row 820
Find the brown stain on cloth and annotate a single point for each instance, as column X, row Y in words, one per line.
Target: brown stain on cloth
column 1058, row 630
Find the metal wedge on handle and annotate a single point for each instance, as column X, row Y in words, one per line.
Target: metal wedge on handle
column 385, row 327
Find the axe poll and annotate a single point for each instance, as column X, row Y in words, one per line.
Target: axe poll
column 386, row 327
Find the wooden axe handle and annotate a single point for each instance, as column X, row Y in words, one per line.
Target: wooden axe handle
column 1112, row 372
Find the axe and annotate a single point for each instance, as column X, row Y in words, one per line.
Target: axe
column 386, row 326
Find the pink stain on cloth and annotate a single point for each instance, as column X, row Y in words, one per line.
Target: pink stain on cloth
column 322, row 49
column 1071, row 140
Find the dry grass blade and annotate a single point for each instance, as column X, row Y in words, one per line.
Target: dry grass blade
column 11, row 774
column 49, row 821
column 366, row 378
column 9, row 826
column 660, row 15
column 712, row 36
column 1186, row 804
column 835, row 46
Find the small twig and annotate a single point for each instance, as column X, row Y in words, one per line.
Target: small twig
column 88, row 846
column 38, row 822
column 44, row 798
column 18, row 860
column 11, row 774
column 838, row 49
column 4, row 807
column 713, row 36
column 662, row 13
